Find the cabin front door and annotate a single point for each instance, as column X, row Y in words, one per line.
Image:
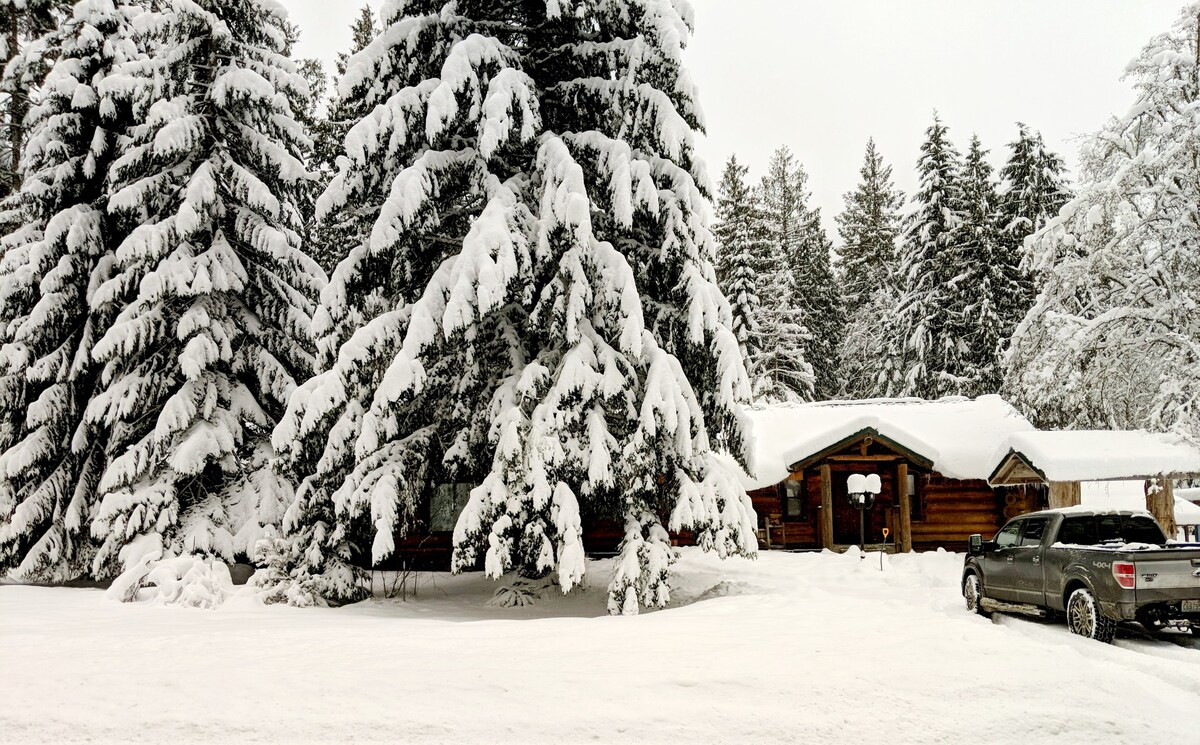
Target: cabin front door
column 845, row 517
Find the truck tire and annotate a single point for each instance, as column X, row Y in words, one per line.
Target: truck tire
column 1084, row 617
column 973, row 593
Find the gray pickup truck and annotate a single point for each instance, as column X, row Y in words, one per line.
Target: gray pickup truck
column 1097, row 567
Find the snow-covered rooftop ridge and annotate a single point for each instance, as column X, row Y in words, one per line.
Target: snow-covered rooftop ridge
column 1102, row 455
column 958, row 435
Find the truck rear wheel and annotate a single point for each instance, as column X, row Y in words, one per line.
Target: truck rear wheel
column 1084, row 617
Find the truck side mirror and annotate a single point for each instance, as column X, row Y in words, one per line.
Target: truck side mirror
column 975, row 545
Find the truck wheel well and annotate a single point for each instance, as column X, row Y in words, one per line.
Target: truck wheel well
column 1072, row 586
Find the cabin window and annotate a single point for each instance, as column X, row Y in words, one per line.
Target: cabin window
column 446, row 504
column 792, row 493
column 915, row 511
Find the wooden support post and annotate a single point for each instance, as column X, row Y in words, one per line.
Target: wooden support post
column 904, row 529
column 826, row 506
column 1160, row 502
column 1065, row 494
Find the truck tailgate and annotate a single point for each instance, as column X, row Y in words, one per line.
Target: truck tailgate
column 1166, row 575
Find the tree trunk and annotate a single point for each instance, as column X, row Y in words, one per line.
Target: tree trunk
column 904, row 544
column 1065, row 494
column 1160, row 502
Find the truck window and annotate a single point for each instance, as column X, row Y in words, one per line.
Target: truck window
column 1141, row 529
column 1078, row 531
column 1108, row 528
column 1035, row 528
column 1010, row 535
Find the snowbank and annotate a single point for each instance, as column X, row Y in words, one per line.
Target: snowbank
column 819, row 648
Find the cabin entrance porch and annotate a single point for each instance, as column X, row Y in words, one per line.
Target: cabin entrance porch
column 880, row 516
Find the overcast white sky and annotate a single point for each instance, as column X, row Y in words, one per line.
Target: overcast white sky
column 821, row 76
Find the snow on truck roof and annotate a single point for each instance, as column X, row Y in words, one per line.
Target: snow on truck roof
column 1098, row 455
column 958, row 436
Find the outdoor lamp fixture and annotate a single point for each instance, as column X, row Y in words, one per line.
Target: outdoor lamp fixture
column 862, row 490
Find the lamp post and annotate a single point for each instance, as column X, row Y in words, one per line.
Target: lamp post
column 862, row 490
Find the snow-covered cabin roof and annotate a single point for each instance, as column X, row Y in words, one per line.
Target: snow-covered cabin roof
column 959, row 436
column 1092, row 455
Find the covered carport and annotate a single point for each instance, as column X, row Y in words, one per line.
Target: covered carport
column 1063, row 460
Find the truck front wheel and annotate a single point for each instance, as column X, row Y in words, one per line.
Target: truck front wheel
column 973, row 593
column 1084, row 617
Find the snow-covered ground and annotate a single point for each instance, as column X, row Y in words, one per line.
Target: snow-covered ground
column 816, row 648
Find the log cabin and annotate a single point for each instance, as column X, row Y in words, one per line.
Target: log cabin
column 933, row 459
column 947, row 469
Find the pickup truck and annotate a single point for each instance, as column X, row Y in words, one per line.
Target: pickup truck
column 1097, row 567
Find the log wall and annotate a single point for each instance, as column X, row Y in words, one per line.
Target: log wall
column 952, row 510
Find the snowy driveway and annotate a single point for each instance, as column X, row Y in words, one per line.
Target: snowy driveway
column 790, row 648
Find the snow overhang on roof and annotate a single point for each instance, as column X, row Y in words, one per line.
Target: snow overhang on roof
column 1092, row 455
column 957, row 436
column 1186, row 513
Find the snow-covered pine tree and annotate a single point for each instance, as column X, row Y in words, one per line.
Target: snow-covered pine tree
column 331, row 242
column 741, row 244
column 868, row 227
column 50, row 459
column 1114, row 338
column 534, row 309
column 931, row 365
column 1033, row 188
column 782, row 370
column 985, row 283
column 22, row 23
column 201, row 360
column 824, row 309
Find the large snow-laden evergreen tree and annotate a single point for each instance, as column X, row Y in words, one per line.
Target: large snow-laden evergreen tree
column 1114, row 338
column 741, row 245
column 201, row 360
column 869, row 227
column 979, row 296
column 533, row 310
column 1033, row 188
column 782, row 371
column 931, row 364
column 51, row 459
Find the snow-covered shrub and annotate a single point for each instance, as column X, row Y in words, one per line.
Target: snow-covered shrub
column 194, row 581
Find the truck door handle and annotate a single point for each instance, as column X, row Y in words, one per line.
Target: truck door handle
column 1037, row 560
column 1010, row 560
